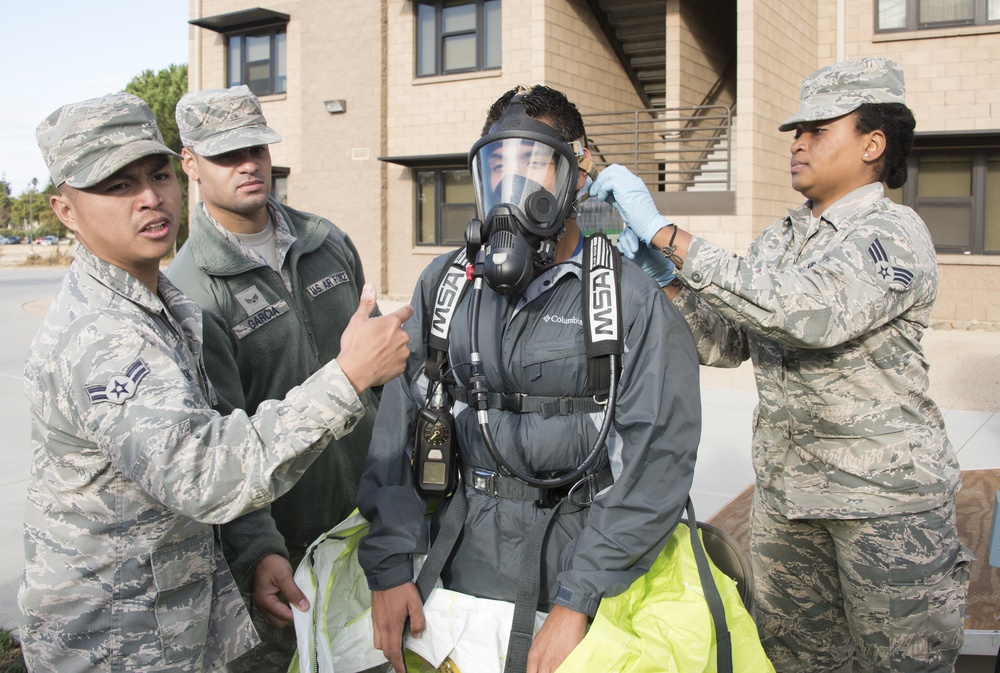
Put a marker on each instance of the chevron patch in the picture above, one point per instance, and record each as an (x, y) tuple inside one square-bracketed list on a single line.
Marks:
[(119, 387), (894, 275)]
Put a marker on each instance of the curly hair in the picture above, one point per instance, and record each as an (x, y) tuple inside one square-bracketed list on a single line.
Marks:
[(545, 104), (896, 121)]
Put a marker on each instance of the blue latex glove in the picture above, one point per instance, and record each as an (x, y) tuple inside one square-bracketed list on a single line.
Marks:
[(652, 261), (628, 194)]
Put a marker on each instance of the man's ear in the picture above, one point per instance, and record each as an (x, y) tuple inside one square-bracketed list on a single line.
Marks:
[(189, 162), (62, 206)]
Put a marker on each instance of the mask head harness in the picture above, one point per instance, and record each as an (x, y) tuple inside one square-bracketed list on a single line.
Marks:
[(525, 179)]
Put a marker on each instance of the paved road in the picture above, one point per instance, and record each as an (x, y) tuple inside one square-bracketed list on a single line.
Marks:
[(24, 296)]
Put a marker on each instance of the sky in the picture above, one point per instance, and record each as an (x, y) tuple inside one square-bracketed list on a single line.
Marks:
[(61, 52)]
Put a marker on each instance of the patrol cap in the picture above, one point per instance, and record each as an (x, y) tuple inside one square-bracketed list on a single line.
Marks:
[(86, 142), (843, 87), (216, 121)]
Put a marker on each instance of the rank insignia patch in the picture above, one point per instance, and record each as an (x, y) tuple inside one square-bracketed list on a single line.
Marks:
[(119, 387), (894, 275)]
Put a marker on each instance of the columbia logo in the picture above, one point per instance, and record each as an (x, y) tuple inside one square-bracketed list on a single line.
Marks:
[(572, 320)]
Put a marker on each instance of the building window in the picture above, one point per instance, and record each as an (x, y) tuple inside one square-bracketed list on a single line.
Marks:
[(901, 15), (445, 204), (457, 36), (258, 59), (957, 194), (279, 184)]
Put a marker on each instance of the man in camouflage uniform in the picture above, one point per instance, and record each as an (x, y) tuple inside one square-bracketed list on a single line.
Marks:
[(278, 287), (132, 466), (854, 541)]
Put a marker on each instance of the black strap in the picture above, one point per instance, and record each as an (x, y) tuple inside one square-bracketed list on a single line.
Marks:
[(519, 403), (723, 639), (522, 627), (451, 524), (502, 486), (602, 327), (451, 286)]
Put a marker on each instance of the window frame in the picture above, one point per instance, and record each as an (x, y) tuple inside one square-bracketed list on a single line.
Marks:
[(439, 206), (272, 31), (480, 32), (980, 153), (980, 17), (279, 173)]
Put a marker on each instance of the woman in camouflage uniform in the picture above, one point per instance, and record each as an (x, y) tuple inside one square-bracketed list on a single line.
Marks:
[(854, 543)]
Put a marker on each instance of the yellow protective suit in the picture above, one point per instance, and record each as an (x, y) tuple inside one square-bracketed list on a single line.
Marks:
[(660, 624)]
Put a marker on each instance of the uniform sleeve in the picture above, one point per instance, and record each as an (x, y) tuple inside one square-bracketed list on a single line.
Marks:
[(386, 494), (720, 342), (875, 274), (658, 418), (251, 537), (133, 398)]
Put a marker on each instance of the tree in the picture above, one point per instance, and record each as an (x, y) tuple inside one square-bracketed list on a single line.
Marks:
[(31, 211), (161, 91), (6, 201)]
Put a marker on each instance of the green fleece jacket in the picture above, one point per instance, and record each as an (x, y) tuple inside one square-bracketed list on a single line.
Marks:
[(261, 340)]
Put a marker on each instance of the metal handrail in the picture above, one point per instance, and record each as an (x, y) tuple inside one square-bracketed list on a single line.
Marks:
[(671, 149)]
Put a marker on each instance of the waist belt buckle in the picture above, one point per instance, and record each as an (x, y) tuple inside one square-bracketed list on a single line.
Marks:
[(485, 481), (583, 492)]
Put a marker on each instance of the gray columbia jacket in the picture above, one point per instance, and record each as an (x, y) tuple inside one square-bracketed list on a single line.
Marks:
[(535, 346), (262, 338)]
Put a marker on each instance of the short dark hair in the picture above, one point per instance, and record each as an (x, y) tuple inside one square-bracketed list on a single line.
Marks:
[(896, 121), (546, 104)]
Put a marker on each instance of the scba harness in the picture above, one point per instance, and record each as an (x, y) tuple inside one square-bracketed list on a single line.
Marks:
[(436, 469), (436, 464)]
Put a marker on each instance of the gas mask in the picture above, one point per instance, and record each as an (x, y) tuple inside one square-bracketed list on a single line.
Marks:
[(525, 180)]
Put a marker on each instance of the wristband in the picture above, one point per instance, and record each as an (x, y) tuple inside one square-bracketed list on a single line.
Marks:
[(669, 251)]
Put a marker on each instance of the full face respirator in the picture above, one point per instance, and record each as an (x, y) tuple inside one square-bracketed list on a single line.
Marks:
[(525, 180)]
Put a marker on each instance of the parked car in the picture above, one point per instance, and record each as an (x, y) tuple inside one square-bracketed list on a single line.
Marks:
[(48, 240), (14, 239)]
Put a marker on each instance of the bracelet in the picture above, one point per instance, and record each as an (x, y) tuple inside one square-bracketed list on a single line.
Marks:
[(669, 251)]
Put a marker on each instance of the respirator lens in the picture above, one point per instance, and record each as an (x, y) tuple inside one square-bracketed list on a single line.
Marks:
[(529, 176)]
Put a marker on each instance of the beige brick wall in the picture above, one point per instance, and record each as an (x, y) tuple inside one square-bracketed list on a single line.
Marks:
[(967, 293), (364, 52), (556, 42), (333, 158)]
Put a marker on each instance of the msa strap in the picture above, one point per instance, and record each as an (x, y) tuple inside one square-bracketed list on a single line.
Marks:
[(602, 328), (601, 310), (451, 287)]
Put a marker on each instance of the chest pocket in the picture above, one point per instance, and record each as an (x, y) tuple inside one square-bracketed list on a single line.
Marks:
[(255, 307)]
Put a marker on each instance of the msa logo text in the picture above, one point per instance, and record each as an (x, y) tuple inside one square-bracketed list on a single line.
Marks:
[(603, 302)]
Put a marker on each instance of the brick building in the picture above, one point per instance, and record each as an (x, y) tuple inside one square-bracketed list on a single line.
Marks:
[(378, 102)]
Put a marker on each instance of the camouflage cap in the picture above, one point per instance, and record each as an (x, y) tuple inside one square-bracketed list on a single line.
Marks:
[(86, 142), (216, 121), (843, 87)]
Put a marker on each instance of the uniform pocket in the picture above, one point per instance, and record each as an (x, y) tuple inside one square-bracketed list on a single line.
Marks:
[(867, 443), (182, 574), (927, 610)]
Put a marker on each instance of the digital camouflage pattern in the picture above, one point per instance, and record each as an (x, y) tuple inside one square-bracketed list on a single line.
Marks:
[(899, 582), (846, 441), (131, 469), (216, 121), (831, 312), (84, 143), (843, 87)]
